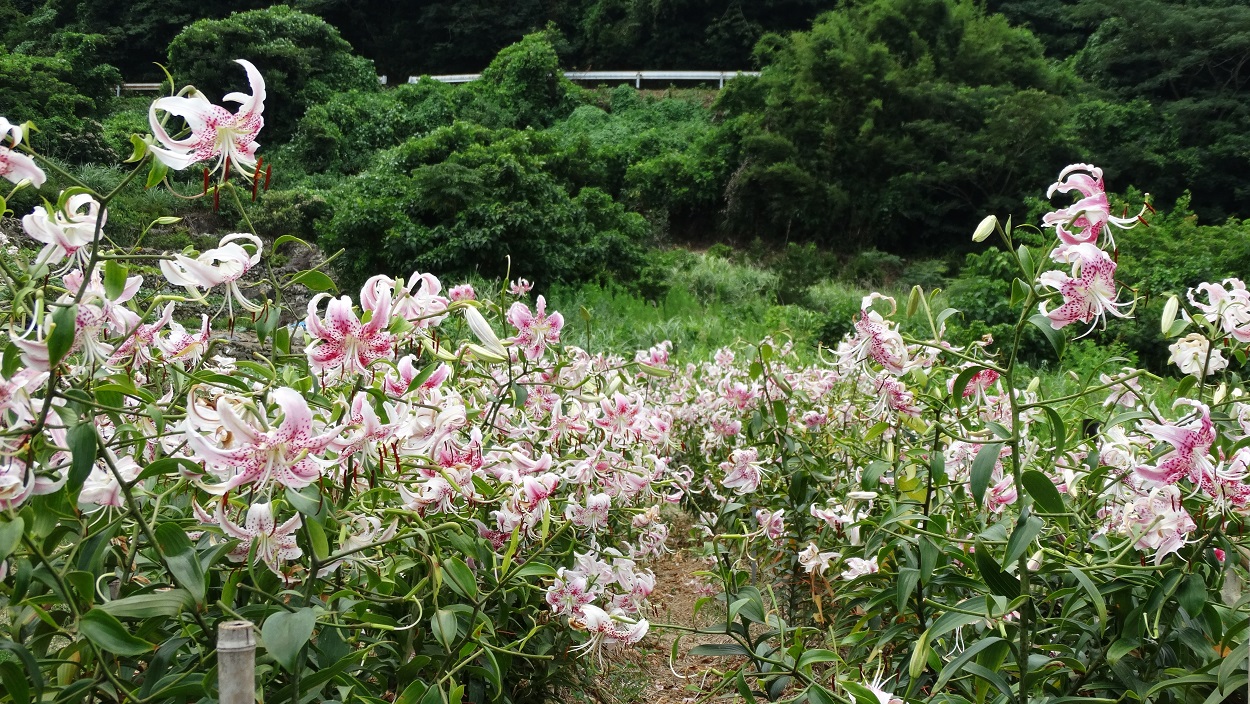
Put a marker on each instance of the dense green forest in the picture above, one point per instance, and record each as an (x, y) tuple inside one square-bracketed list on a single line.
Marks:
[(877, 135)]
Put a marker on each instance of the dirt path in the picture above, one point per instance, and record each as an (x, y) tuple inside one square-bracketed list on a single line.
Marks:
[(644, 675)]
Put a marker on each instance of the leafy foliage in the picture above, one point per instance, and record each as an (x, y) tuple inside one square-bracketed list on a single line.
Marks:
[(882, 123), (303, 59), (466, 198)]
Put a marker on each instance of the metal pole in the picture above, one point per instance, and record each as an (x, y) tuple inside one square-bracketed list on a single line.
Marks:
[(236, 663)]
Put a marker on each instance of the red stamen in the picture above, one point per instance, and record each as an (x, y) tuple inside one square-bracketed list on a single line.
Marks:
[(1150, 207), (268, 173), (1142, 221), (205, 182), (226, 172), (256, 177), (216, 198)]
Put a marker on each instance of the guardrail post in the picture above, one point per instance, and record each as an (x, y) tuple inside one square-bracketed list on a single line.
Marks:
[(236, 663)]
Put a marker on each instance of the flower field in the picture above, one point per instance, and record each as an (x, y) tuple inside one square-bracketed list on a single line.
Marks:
[(423, 492)]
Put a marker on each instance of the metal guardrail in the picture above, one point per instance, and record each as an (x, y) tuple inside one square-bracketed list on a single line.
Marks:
[(156, 87), (617, 76), (587, 76)]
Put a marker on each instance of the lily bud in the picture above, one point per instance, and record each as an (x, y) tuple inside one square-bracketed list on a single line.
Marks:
[(1220, 394), (1035, 562), (1169, 313), (482, 330), (985, 229)]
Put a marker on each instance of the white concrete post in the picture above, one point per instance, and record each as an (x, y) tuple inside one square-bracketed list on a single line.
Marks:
[(236, 663)]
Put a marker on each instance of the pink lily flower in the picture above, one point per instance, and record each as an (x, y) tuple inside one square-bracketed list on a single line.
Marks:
[(1228, 303), (743, 471), (252, 451), (15, 166), (813, 560), (416, 300), (1089, 293), (1190, 444), (225, 264), (607, 629), (341, 343), (216, 133), (569, 592), (181, 345), (65, 232), (593, 516), (463, 292), (876, 339), (137, 348), (772, 523), (1086, 220), (1159, 520), (275, 544), (535, 330)]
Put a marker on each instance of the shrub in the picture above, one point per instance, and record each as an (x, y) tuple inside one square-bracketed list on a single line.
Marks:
[(466, 199), (303, 59)]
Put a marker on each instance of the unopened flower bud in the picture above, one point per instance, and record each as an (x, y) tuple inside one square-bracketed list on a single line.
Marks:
[(1169, 313), (1035, 562), (985, 229)]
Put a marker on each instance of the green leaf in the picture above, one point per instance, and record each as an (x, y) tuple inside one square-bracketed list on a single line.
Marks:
[(413, 693), (1026, 531), (445, 628), (288, 238), (156, 174), (317, 538), (1019, 293), (1193, 594), (180, 556), (1095, 597), (817, 694), (10, 536), (1056, 337), (811, 657), (1026, 261), (1058, 433), (14, 681), (10, 361), (267, 322), (81, 440), (139, 149), (28, 661), (61, 338), (167, 603), (114, 278), (169, 465), (460, 578), (535, 569), (1120, 648), (955, 666), (1045, 495), (314, 280), (992, 677), (995, 578), (285, 633), (744, 689), (905, 587), (983, 470), (108, 634)]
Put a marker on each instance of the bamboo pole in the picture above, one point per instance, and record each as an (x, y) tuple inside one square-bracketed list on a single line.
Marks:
[(236, 662)]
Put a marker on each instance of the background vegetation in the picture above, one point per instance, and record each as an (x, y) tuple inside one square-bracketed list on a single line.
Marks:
[(878, 134)]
